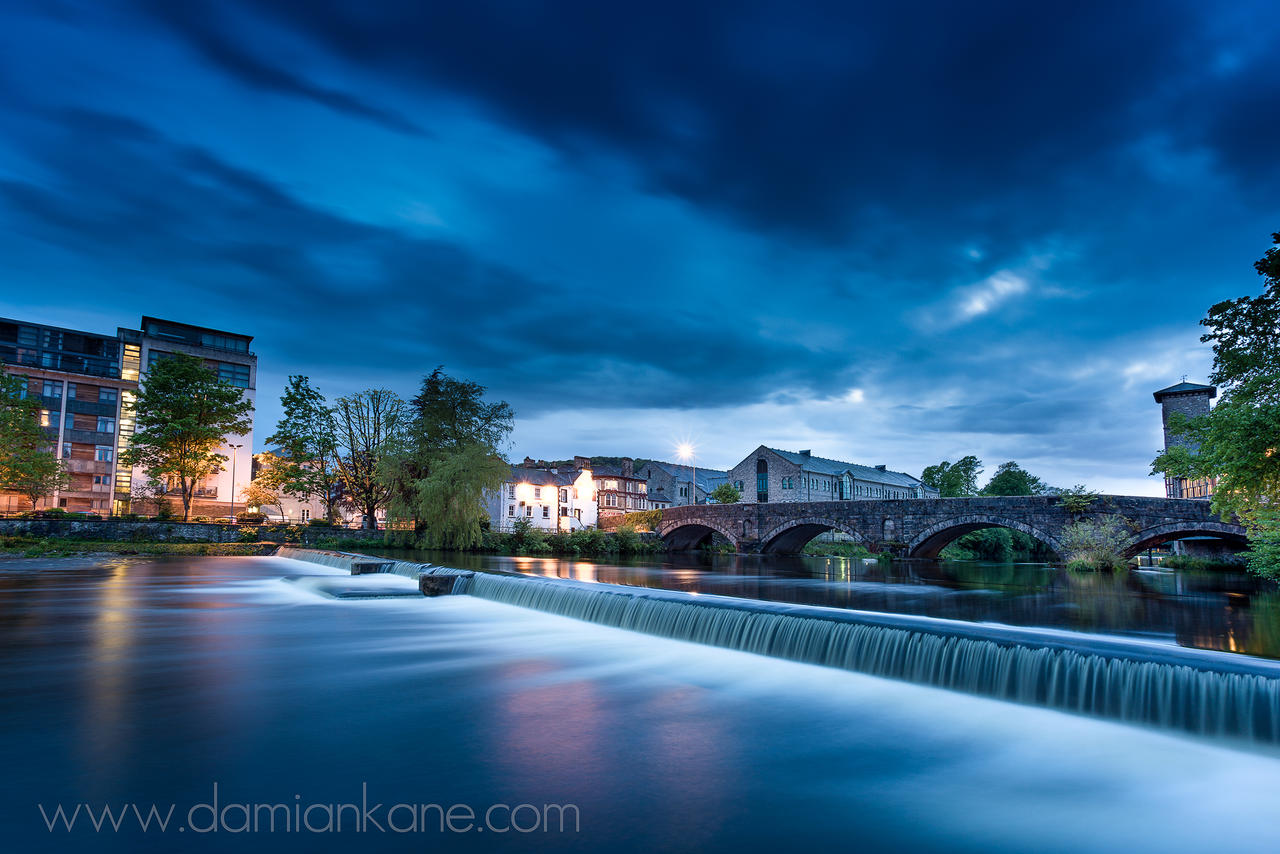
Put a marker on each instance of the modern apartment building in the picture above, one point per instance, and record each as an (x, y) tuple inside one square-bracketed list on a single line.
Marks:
[(87, 384)]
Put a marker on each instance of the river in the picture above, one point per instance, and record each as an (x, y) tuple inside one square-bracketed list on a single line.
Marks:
[(150, 680)]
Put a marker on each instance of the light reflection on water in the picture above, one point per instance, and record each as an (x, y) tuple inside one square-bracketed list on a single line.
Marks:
[(150, 679), (1225, 611)]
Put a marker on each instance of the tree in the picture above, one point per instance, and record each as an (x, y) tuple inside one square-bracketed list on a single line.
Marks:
[(150, 492), (184, 411), (726, 493), (448, 457), (954, 480), (28, 463), (264, 490), (367, 427), (308, 443), (1238, 442), (1012, 479)]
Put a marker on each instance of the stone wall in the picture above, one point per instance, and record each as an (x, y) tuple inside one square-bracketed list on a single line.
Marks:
[(113, 531), (920, 527)]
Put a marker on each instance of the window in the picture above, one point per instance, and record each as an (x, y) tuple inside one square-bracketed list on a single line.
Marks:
[(52, 389), (101, 479), (236, 375), (762, 480), (69, 421), (511, 490), (611, 500), (106, 395), (788, 483), (684, 492), (106, 425), (46, 418), (66, 450), (564, 512), (223, 342), (103, 453), (537, 492), (610, 484), (71, 391), (575, 492), (564, 495), (643, 487), (546, 512), (528, 510), (511, 510), (306, 515)]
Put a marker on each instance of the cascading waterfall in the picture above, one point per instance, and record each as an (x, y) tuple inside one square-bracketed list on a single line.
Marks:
[(1200, 692)]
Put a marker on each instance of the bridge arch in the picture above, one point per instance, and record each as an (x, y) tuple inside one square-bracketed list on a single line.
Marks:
[(684, 536), (933, 539), (1158, 534), (791, 536)]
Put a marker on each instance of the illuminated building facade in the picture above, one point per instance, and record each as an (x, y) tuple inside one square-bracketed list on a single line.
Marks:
[(87, 384), (550, 499)]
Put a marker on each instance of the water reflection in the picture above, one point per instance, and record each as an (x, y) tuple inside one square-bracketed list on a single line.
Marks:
[(1232, 612)]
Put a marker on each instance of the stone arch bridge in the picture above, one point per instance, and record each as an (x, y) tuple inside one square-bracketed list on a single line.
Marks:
[(922, 527)]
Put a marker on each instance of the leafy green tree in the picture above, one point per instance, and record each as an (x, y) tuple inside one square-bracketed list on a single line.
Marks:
[(264, 490), (307, 439), (1238, 442), (726, 493), (368, 426), (28, 464), (183, 413), (954, 480), (448, 457), (1012, 479), (1095, 543)]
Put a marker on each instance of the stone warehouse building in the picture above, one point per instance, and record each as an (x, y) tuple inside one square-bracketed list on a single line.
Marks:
[(1190, 400), (668, 483), (87, 383), (773, 475)]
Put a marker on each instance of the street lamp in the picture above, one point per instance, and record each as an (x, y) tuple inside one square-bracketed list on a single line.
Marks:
[(233, 448), (685, 453)]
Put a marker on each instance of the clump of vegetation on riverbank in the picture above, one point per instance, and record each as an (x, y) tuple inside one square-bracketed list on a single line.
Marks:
[(49, 547), (999, 545), (1201, 564), (590, 542), (1095, 544)]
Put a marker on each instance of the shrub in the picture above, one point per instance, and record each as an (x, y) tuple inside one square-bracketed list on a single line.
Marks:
[(92, 517), (1203, 563), (319, 523), (1077, 499), (201, 518), (1096, 543), (625, 540), (250, 518)]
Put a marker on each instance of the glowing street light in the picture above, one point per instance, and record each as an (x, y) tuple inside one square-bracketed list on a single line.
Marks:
[(684, 451)]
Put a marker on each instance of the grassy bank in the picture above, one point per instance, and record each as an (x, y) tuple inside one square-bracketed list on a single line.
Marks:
[(47, 547), (853, 551)]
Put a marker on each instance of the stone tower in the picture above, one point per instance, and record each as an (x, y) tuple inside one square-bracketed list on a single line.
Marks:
[(1192, 401)]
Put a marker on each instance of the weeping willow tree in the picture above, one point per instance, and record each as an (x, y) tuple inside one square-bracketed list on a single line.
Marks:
[(445, 461)]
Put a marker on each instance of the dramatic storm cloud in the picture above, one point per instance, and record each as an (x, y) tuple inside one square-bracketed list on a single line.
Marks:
[(891, 235)]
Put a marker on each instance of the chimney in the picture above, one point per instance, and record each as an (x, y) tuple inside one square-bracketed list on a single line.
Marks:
[(880, 468), (528, 462), (581, 463), (806, 453), (628, 467)]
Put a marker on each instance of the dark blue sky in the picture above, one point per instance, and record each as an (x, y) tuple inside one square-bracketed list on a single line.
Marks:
[(893, 234)]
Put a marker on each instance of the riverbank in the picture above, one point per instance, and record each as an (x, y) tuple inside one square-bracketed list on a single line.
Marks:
[(26, 546)]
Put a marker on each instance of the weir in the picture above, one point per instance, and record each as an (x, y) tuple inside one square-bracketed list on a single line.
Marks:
[(1197, 691)]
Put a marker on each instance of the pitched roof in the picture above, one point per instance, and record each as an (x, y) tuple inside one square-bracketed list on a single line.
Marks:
[(1184, 387), (706, 479), (822, 465), (543, 477)]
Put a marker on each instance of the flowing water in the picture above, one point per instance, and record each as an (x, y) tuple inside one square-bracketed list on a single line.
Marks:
[(150, 680), (1226, 611)]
